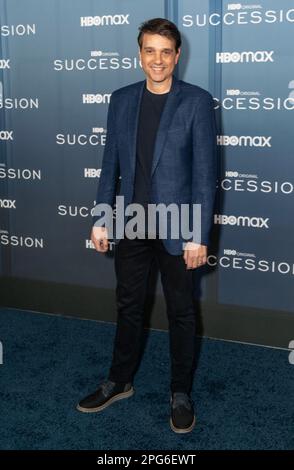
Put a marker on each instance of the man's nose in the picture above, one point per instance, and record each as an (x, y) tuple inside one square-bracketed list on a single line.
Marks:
[(158, 58)]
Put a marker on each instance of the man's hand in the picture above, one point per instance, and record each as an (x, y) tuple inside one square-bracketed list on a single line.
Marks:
[(195, 255), (99, 237)]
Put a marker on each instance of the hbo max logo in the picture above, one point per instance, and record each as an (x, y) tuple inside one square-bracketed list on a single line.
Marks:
[(249, 56), (244, 140), (242, 221), (106, 20)]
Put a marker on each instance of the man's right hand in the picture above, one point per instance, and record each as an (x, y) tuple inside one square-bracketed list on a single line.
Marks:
[(99, 237)]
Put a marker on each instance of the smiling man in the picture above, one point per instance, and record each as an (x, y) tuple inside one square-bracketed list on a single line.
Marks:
[(158, 58), (161, 140)]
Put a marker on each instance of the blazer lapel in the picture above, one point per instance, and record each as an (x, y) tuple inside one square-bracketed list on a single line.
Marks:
[(168, 112), (133, 119)]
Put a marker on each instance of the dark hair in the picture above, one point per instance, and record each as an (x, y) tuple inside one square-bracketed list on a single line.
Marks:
[(163, 27)]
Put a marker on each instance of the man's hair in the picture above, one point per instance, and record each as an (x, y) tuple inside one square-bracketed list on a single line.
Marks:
[(163, 27)]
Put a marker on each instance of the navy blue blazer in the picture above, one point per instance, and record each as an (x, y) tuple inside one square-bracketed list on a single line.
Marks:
[(184, 160)]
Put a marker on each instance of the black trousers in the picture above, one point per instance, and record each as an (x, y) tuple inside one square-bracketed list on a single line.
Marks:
[(133, 259)]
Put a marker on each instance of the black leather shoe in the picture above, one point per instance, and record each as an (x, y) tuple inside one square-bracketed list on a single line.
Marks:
[(182, 417), (107, 393)]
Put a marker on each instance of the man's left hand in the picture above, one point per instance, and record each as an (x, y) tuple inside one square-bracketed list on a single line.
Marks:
[(195, 255)]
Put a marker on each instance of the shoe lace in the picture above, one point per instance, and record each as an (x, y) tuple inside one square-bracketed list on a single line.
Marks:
[(181, 399)]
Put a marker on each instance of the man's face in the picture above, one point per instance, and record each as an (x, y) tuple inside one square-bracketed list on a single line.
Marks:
[(158, 57)]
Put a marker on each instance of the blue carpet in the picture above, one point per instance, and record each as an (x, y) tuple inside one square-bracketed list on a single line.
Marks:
[(243, 394)]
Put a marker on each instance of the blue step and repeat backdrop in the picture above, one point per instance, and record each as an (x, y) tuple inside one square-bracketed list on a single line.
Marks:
[(59, 63)]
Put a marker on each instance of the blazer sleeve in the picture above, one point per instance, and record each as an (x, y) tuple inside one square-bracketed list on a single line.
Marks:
[(204, 165), (110, 167)]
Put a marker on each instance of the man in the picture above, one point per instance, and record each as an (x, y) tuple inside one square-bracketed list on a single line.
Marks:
[(161, 140)]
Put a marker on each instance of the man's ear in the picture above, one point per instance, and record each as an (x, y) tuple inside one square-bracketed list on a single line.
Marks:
[(178, 55)]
